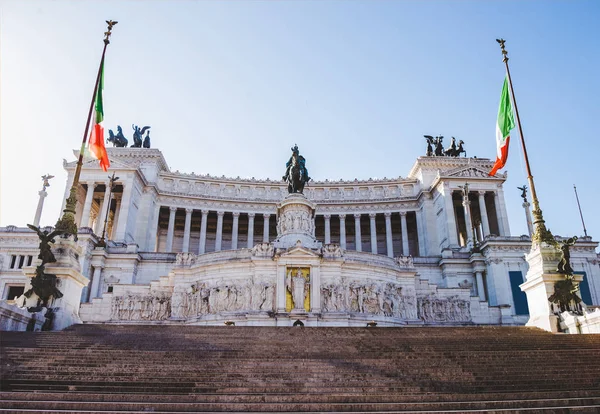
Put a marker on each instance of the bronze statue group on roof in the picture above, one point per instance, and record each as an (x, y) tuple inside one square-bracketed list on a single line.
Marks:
[(435, 148)]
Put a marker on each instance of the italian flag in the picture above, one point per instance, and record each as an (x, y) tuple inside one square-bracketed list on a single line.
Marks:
[(96, 143), (505, 123)]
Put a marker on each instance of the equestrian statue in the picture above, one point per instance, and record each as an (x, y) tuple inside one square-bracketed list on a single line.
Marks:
[(117, 140), (296, 174), (452, 151)]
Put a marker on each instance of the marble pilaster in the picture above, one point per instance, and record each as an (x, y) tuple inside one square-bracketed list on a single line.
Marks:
[(357, 235), (372, 217), (171, 229), (186, 230)]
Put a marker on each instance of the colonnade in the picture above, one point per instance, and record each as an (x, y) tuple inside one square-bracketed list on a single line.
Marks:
[(202, 248), (122, 201), (475, 224)]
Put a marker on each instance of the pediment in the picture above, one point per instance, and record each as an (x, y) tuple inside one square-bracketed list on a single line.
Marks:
[(92, 163), (469, 172), (298, 251)]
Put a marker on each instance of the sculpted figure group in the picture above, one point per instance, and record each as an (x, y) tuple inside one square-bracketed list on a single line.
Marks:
[(200, 299), (120, 141), (377, 298), (452, 151), (152, 307), (452, 309)]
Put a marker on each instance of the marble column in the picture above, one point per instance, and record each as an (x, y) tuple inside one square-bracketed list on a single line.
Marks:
[(171, 230), (152, 234), (372, 217), (87, 206), (103, 208), (528, 217), (124, 211), (388, 234), (405, 250), (420, 232), (480, 287), (266, 228), (327, 218), (468, 223), (499, 214), (343, 231), (485, 224), (219, 238), (40, 206), (234, 230), (250, 230), (357, 235), (450, 216), (503, 213), (186, 230), (95, 283), (202, 245)]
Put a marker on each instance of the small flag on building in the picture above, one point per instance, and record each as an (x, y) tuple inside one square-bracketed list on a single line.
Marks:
[(506, 122), (96, 143)]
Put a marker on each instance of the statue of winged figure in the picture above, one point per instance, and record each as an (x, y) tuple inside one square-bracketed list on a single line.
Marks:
[(46, 255), (523, 193), (429, 139), (137, 135), (46, 179)]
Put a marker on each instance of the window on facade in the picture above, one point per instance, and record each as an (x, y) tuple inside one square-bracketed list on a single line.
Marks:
[(519, 297), (29, 260), (13, 261), (110, 289), (21, 261), (14, 291)]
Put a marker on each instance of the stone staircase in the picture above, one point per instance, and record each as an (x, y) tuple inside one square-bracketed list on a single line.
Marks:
[(149, 368)]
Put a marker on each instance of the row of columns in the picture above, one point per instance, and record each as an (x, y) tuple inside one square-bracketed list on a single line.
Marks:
[(485, 224), (121, 209), (219, 235), (357, 232)]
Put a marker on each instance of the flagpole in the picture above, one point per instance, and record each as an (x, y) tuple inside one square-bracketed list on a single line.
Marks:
[(541, 233), (67, 221), (580, 213)]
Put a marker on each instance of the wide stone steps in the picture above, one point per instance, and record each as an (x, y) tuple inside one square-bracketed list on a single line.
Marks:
[(103, 368)]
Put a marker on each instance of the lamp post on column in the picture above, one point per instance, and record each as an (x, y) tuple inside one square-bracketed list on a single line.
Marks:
[(111, 184)]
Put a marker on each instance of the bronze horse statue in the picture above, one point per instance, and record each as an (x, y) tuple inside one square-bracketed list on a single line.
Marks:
[(118, 140), (296, 174)]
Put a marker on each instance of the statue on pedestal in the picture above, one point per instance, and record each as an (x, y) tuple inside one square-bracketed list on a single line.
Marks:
[(298, 286), (296, 174)]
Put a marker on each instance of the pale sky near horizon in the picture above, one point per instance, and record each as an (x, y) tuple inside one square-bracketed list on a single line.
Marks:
[(228, 87)]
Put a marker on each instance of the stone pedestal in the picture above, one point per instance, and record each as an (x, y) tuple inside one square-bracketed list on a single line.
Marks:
[(539, 286), (70, 283), (296, 222)]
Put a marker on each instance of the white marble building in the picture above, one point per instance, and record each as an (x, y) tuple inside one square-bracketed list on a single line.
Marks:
[(186, 248)]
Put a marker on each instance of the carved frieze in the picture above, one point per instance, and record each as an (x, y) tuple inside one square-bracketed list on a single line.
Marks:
[(434, 309), (376, 298)]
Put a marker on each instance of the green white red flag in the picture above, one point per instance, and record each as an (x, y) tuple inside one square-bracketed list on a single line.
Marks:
[(504, 124), (96, 142)]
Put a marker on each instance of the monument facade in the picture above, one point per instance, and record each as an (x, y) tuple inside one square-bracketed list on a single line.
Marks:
[(433, 247)]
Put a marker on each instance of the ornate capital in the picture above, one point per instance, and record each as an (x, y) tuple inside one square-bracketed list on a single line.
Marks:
[(403, 213), (387, 215), (251, 215), (481, 193), (357, 215), (173, 208), (327, 216), (189, 210), (236, 214), (204, 212), (220, 213), (92, 184), (372, 215), (266, 216)]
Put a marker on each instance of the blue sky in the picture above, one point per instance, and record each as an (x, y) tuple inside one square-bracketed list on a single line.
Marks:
[(228, 87)]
